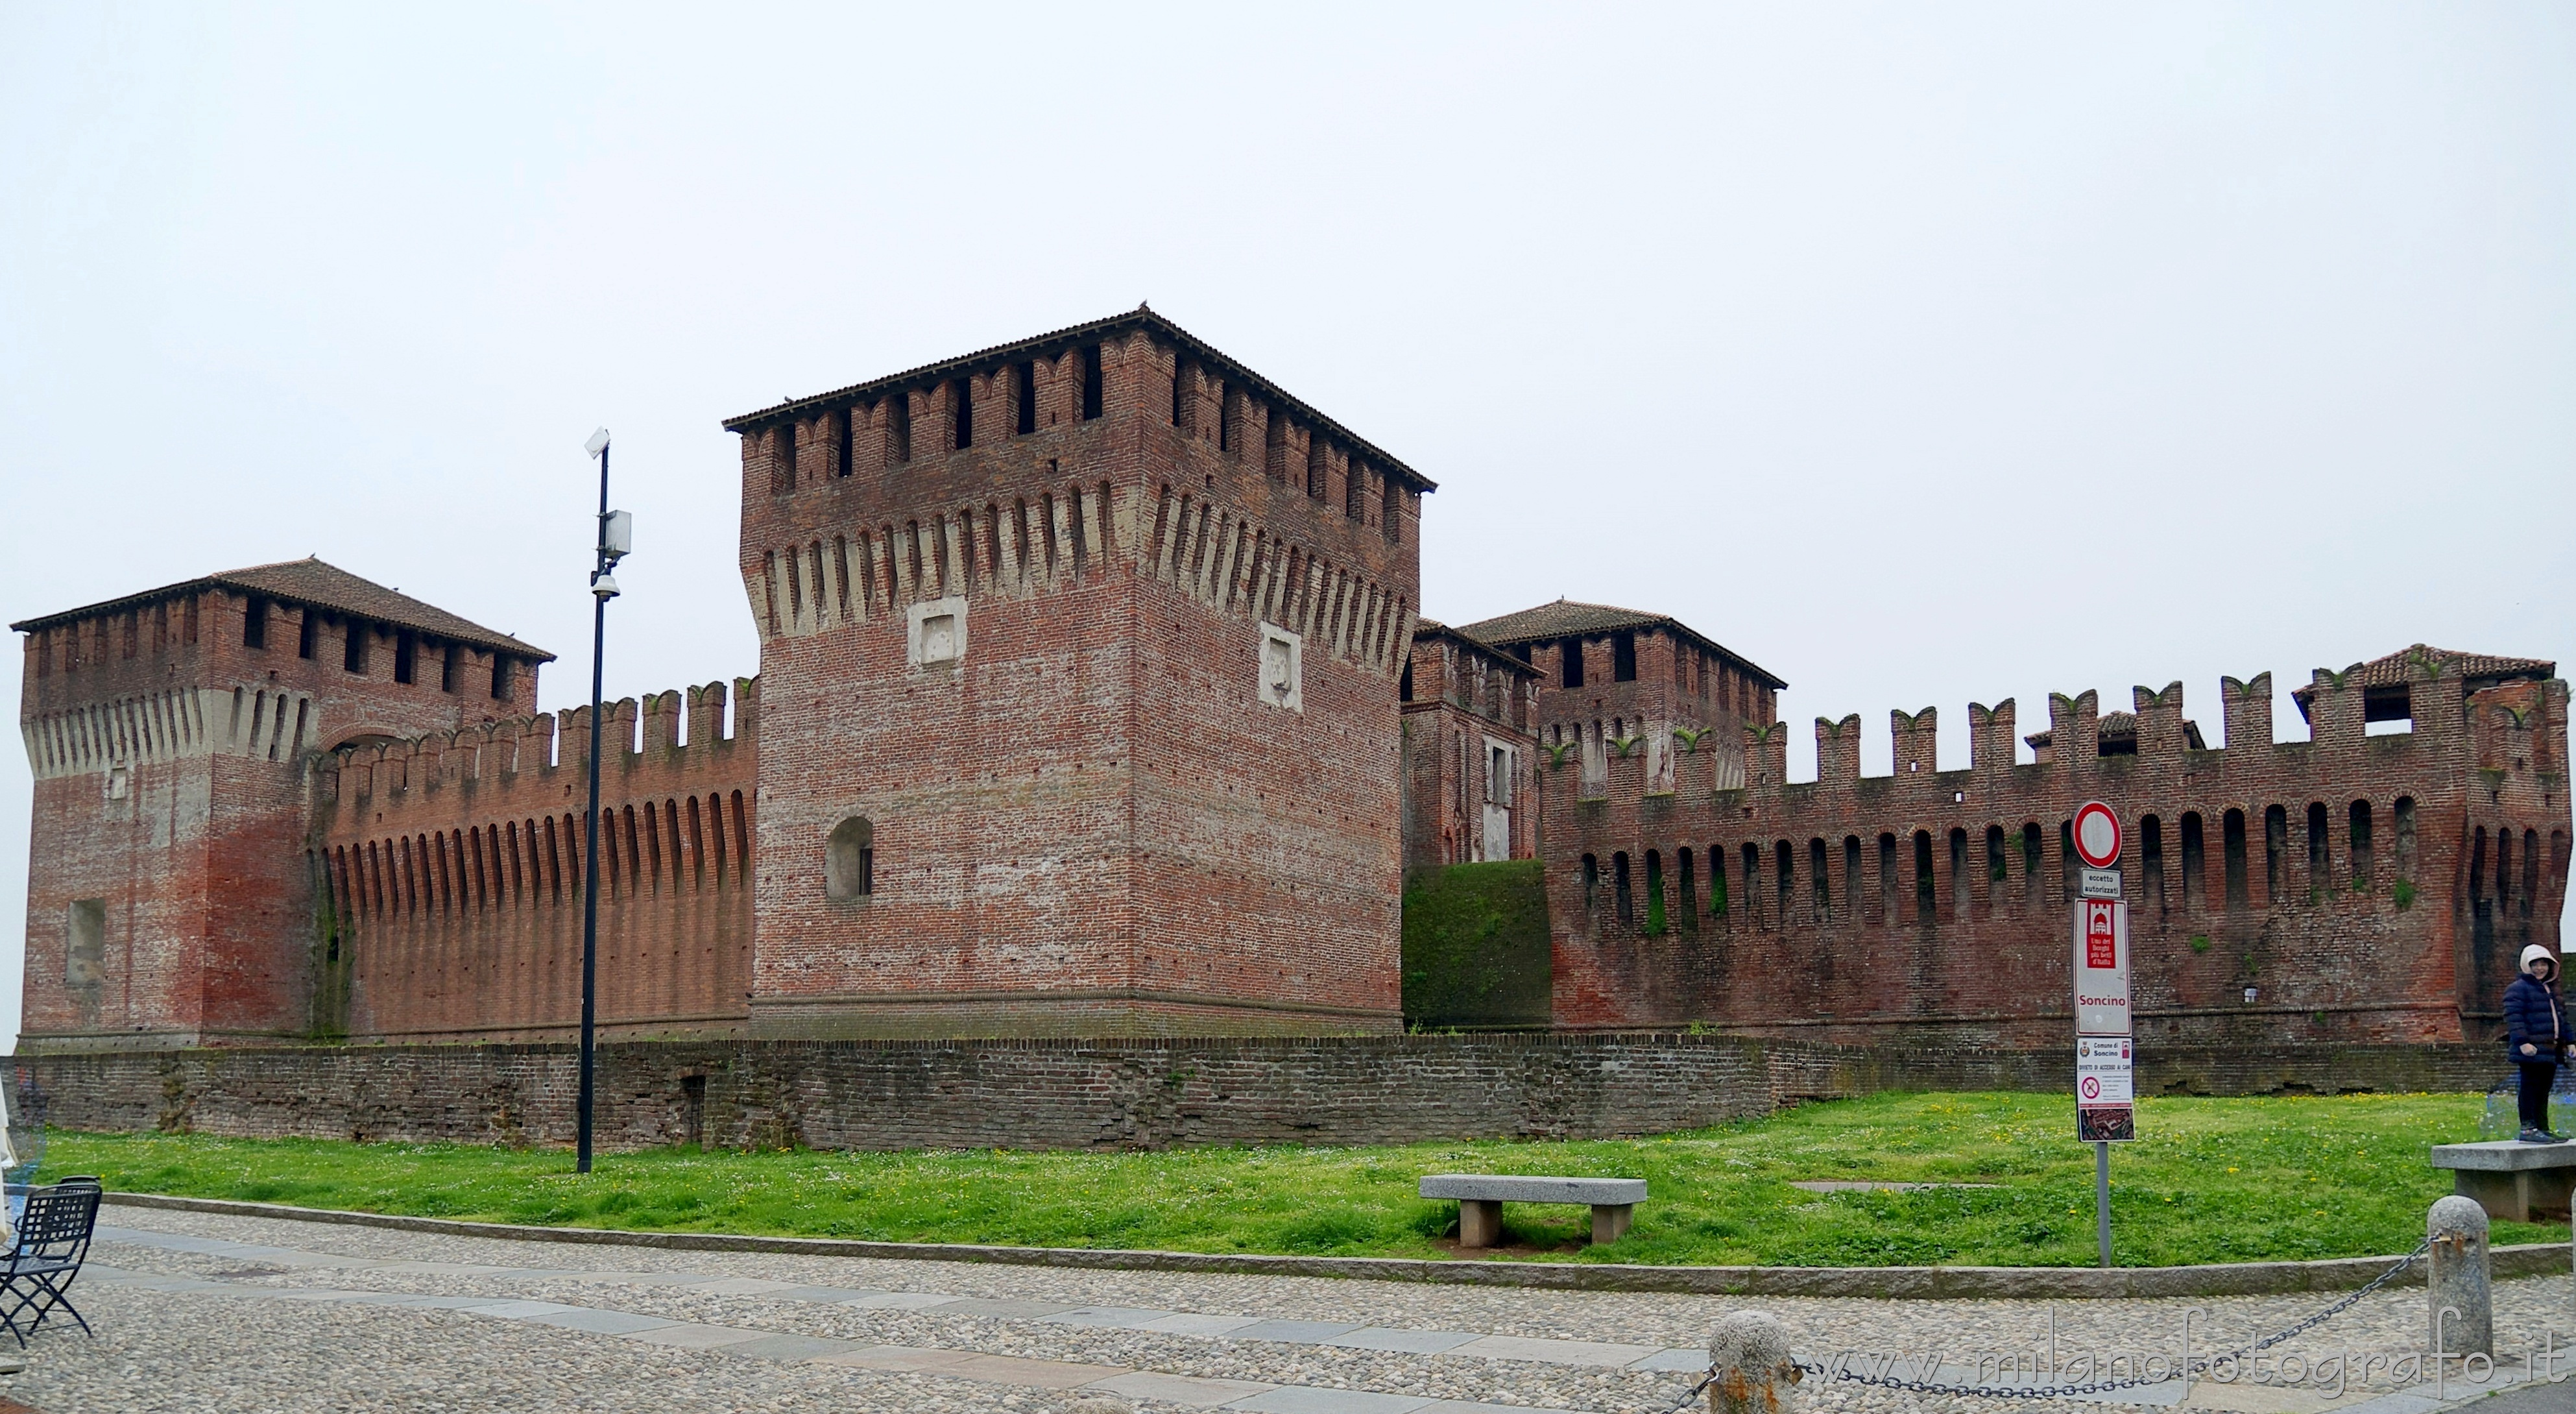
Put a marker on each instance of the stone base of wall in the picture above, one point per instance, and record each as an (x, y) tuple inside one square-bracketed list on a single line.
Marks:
[(1126, 1094)]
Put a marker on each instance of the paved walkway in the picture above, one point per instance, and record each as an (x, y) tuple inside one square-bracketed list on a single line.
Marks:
[(199, 1311)]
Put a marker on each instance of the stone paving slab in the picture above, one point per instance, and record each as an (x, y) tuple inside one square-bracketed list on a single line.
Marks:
[(1189, 1391), (1300, 1331), (1409, 1342), (1329, 1401), (788, 1347), (605, 1322), (693, 1336)]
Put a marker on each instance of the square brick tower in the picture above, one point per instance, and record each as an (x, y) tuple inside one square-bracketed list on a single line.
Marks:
[(1078, 662), (170, 877)]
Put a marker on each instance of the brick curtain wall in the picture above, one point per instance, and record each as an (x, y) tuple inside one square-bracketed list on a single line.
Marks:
[(1123, 1095)]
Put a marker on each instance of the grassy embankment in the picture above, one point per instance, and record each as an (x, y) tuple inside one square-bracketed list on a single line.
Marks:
[(2213, 1181)]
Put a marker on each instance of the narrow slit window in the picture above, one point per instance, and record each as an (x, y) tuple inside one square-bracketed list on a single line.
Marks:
[(500, 678), (1625, 905), (1823, 887), (1570, 662), (962, 410), (254, 623), (2361, 851), (2320, 854), (1654, 891), (406, 654), (1623, 657), (353, 649), (2276, 848), (899, 426), (1090, 356), (2195, 893), (1024, 382), (1716, 881), (2031, 867), (449, 660), (307, 634), (846, 422), (2232, 840), (1689, 909), (2151, 862)]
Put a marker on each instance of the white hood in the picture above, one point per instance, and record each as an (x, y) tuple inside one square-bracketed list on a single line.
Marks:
[(2538, 951)]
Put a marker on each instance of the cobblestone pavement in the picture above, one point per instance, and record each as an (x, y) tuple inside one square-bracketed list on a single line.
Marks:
[(207, 1312)]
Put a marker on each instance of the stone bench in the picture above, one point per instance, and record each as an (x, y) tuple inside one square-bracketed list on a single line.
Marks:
[(1481, 1198), (2513, 1181)]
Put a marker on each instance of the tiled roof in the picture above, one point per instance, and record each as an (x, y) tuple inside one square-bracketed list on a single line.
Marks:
[(1433, 628), (2390, 670), (311, 582), (1051, 343), (2120, 726), (1567, 618)]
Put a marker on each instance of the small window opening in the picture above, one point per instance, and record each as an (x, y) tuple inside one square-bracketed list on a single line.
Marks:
[(1887, 885), (448, 663), (1625, 905), (1998, 868), (254, 623), (353, 648), (1960, 889), (1927, 908), (1623, 657), (1591, 883), (1090, 356), (1785, 869), (782, 475), (846, 421), (2031, 867), (1816, 870), (1716, 881), (500, 678), (1852, 894), (1226, 435), (1180, 393), (1689, 900), (850, 860), (2320, 854), (2361, 875), (1654, 891), (899, 425), (1569, 656), (1024, 381), (406, 652), (307, 633), (961, 408)]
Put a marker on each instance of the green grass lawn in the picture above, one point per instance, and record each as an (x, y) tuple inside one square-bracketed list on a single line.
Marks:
[(2213, 1181)]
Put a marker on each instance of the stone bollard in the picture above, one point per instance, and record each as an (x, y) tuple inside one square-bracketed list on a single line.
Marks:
[(1750, 1364), (2459, 1297)]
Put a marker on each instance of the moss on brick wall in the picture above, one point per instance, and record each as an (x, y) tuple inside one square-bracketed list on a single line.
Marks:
[(1476, 945)]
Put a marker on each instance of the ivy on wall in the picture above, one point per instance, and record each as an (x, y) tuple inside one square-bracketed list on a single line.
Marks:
[(1476, 948)]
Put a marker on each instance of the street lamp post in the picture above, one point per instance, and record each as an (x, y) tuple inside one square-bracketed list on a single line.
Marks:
[(616, 538)]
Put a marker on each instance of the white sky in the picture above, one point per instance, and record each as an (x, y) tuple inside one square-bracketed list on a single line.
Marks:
[(1865, 339)]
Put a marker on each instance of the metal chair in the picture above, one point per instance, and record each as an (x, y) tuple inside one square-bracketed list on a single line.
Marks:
[(53, 1241)]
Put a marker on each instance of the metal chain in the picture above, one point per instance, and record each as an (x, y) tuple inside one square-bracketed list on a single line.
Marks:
[(2197, 1363)]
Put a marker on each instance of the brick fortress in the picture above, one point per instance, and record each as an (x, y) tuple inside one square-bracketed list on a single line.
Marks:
[(1094, 701)]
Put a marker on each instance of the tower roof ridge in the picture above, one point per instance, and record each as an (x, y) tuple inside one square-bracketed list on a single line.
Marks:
[(315, 583), (1572, 617), (1141, 317)]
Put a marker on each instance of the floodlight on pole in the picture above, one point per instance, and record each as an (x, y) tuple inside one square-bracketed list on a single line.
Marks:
[(616, 540)]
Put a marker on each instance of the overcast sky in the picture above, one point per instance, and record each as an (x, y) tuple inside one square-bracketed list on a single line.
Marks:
[(1921, 354)]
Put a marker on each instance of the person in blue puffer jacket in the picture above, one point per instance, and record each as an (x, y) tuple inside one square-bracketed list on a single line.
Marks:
[(2536, 1036)]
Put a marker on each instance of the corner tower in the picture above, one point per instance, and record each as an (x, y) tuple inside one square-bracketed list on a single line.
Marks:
[(1078, 662), (171, 895)]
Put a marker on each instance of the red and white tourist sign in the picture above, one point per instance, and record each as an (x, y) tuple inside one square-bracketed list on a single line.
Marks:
[(2101, 967)]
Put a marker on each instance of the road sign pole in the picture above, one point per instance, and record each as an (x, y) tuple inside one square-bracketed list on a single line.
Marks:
[(2102, 1200)]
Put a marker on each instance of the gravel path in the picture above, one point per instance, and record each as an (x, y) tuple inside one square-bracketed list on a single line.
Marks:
[(246, 1343)]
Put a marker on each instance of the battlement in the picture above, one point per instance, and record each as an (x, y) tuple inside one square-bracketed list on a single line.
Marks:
[(2405, 870)]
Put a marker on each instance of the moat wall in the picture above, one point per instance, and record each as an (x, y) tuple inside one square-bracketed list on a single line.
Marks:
[(1115, 1094)]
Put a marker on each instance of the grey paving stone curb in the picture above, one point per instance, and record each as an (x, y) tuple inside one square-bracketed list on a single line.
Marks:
[(1912, 1283)]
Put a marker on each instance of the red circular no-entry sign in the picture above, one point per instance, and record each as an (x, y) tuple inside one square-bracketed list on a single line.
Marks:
[(2097, 835)]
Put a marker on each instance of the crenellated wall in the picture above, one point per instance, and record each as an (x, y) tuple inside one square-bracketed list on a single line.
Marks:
[(2363, 888), (452, 867)]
